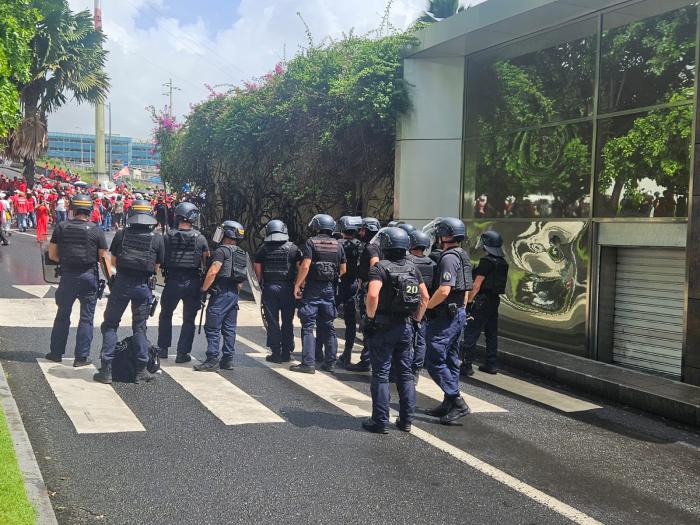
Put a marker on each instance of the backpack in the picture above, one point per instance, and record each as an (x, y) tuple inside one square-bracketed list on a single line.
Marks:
[(405, 289), (124, 363)]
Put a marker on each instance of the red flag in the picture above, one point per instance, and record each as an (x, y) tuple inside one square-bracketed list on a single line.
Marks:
[(124, 172)]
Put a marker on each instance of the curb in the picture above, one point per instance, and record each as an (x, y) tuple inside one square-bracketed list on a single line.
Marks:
[(33, 481)]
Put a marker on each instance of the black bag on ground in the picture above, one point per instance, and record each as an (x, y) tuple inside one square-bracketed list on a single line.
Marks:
[(124, 363)]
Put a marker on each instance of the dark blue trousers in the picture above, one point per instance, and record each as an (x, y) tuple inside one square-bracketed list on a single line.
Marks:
[(419, 346), (83, 287), (222, 319), (361, 296), (390, 349), (317, 312), (347, 296), (485, 317), (442, 351), (278, 304), (179, 286), (127, 289)]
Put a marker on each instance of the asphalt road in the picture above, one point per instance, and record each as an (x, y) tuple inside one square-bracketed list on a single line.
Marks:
[(528, 463)]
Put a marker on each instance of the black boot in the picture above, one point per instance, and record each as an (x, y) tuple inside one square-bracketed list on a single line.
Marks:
[(489, 369), (370, 425), (81, 361), (226, 363), (56, 358), (143, 375), (273, 358), (440, 410), (162, 353), (359, 367), (105, 374), (210, 365), (183, 358), (466, 370), (458, 409)]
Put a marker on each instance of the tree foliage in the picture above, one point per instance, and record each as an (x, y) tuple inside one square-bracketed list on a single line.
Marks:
[(316, 134), (438, 10)]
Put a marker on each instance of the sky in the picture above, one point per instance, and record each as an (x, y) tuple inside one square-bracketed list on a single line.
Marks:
[(216, 42)]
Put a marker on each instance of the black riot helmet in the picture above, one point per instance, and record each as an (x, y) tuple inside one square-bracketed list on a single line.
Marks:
[(392, 224), (81, 203), (371, 224), (276, 231), (419, 240), (233, 230), (492, 242), (186, 212), (322, 223), (392, 239), (350, 225), (408, 228), (141, 214), (450, 228)]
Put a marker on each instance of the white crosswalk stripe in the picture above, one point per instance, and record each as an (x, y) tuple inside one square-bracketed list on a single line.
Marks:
[(221, 397), (93, 408)]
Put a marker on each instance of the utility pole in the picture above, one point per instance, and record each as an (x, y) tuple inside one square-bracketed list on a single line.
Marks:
[(100, 168), (171, 87), (110, 167)]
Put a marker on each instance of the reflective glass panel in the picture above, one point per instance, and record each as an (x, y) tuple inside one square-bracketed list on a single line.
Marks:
[(647, 55), (544, 79), (543, 172), (643, 164), (545, 301)]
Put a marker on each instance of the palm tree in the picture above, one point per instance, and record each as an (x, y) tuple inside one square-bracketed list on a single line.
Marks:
[(68, 58), (439, 10)]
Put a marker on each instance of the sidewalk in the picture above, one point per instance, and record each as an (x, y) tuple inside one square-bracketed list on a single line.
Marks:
[(658, 395)]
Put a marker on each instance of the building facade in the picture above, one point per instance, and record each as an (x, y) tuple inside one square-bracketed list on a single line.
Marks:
[(570, 128), (78, 148)]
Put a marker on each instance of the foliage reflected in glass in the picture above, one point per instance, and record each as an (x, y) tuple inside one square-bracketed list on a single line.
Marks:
[(531, 173), (542, 80), (649, 61), (643, 165)]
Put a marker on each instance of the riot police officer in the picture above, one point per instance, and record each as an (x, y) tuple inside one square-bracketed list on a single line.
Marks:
[(138, 252), (276, 264), (446, 318), (186, 253), (490, 280), (368, 258), (77, 245), (396, 296), (347, 289), (226, 273), (323, 263), (419, 242)]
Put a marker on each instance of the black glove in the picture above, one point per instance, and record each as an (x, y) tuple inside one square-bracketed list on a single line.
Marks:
[(416, 324), (469, 308), (203, 297), (368, 326), (110, 281)]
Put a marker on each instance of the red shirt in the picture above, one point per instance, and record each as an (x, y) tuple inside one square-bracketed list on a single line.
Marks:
[(21, 205)]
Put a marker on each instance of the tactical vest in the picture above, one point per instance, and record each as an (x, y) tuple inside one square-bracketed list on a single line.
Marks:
[(235, 265), (363, 269), (353, 250), (400, 297), (73, 244), (435, 255), (325, 262), (426, 266), (181, 250), (137, 254), (495, 282), (277, 266), (463, 279)]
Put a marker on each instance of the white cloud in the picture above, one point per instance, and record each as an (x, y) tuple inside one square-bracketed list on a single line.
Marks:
[(142, 60)]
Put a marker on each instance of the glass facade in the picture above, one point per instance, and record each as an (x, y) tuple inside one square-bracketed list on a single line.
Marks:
[(80, 149), (589, 121)]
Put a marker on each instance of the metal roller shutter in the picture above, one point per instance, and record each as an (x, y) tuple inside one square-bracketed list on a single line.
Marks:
[(649, 296)]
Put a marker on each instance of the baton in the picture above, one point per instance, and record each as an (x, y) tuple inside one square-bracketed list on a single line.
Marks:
[(201, 317)]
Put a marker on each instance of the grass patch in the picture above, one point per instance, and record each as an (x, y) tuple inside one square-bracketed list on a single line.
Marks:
[(15, 508)]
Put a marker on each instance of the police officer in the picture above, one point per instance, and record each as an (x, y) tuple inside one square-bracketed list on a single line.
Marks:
[(137, 252), (276, 264), (368, 258), (347, 290), (446, 318), (186, 253), (226, 273), (396, 296), (419, 242), (323, 263), (490, 279), (77, 245)]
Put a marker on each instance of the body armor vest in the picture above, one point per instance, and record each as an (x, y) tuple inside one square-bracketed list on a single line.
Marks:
[(73, 244), (325, 262), (463, 279), (137, 254), (363, 269), (235, 265), (353, 250), (277, 266), (400, 297), (426, 266), (181, 250), (495, 282)]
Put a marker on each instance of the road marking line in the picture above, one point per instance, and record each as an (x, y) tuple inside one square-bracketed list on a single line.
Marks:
[(357, 404), (93, 408), (221, 397), (37, 290), (536, 393), (428, 388)]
